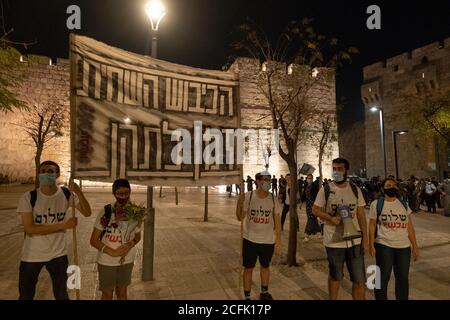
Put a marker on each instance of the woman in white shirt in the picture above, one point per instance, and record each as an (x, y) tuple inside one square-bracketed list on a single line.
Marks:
[(392, 238)]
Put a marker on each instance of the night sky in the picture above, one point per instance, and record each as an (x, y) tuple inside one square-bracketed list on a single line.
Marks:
[(199, 32)]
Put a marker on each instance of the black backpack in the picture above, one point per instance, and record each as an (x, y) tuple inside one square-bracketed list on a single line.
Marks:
[(33, 198), (273, 202), (33, 195), (328, 191), (108, 211), (380, 204)]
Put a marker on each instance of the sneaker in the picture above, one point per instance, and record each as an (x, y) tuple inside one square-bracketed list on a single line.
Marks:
[(265, 296), (305, 239)]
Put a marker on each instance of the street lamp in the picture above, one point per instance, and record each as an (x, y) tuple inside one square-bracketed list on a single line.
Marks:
[(383, 146), (394, 137), (155, 11)]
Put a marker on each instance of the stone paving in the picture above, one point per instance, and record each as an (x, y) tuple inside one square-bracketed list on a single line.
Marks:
[(196, 260)]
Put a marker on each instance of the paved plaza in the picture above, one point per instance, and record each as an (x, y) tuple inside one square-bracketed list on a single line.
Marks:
[(200, 260)]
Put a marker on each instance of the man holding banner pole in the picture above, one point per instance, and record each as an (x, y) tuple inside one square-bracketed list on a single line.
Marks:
[(45, 222)]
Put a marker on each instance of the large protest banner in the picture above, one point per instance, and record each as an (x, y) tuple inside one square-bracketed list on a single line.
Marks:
[(125, 107)]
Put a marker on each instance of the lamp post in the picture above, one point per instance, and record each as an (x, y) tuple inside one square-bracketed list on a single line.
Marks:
[(155, 11), (383, 146), (394, 138)]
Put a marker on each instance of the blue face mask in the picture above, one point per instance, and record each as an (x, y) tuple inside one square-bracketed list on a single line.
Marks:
[(338, 176), (266, 186), (46, 179)]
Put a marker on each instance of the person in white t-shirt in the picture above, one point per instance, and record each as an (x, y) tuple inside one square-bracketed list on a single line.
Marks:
[(260, 214), (430, 195), (45, 221), (342, 196), (115, 240), (392, 237)]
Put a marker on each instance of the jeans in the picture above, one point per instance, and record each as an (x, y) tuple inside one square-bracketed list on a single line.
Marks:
[(398, 259), (29, 273), (431, 202)]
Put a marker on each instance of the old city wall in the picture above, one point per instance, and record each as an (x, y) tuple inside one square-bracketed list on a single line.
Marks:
[(421, 71), (45, 81), (256, 114), (48, 80)]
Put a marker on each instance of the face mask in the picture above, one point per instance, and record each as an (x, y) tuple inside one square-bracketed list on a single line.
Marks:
[(338, 176), (46, 179), (390, 192), (266, 186), (122, 201)]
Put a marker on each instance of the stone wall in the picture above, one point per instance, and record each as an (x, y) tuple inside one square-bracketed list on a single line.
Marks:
[(256, 113), (47, 80), (421, 71), (352, 147)]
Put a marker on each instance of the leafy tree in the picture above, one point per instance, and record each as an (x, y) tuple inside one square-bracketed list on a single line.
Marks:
[(293, 99), (43, 122)]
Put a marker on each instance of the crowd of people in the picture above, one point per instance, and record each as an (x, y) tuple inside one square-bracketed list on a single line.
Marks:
[(388, 235)]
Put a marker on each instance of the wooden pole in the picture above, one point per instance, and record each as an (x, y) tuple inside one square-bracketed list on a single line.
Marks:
[(149, 239), (205, 217), (75, 246), (160, 192), (72, 91), (176, 195), (241, 243)]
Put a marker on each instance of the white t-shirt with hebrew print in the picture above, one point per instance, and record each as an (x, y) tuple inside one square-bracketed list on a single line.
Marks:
[(392, 224), (114, 237), (259, 224), (332, 234), (47, 210)]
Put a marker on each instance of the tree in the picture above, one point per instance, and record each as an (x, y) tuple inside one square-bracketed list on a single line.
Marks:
[(9, 64), (323, 140), (43, 122), (431, 116), (291, 98)]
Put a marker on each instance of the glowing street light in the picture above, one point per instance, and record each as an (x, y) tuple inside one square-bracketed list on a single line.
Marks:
[(394, 138), (155, 11), (383, 146)]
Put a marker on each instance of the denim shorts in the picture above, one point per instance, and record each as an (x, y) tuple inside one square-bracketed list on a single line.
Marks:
[(353, 258)]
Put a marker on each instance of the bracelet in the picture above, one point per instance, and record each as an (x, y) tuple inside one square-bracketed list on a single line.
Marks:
[(103, 248)]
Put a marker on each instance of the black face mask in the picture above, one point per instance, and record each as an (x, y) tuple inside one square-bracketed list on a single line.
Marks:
[(122, 201), (390, 192)]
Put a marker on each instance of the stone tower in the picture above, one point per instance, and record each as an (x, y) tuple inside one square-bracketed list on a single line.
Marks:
[(421, 71)]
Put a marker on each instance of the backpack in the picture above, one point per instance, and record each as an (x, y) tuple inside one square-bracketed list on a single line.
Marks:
[(380, 204), (33, 198), (108, 211), (328, 191)]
